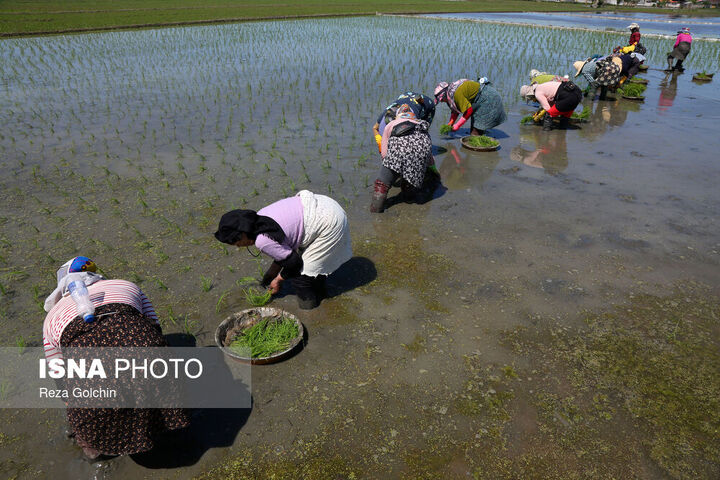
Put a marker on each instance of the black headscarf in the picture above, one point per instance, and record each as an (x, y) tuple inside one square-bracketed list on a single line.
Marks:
[(235, 222)]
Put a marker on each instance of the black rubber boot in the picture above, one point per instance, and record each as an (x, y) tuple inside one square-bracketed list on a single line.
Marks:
[(678, 66), (305, 290), (547, 122), (603, 93), (320, 288), (379, 196), (564, 123)]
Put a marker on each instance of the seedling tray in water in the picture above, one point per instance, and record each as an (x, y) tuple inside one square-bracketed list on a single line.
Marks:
[(644, 68), (239, 321), (635, 99), (477, 149), (703, 79), (642, 81)]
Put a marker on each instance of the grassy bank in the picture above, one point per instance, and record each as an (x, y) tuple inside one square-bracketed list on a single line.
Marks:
[(27, 17)]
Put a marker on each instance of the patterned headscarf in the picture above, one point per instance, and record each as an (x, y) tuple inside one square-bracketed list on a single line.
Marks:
[(441, 92), (405, 112)]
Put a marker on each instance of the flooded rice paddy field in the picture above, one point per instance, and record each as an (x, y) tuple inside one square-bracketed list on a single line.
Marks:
[(707, 28), (551, 313)]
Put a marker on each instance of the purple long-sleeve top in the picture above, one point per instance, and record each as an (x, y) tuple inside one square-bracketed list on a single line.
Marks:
[(682, 37), (288, 213)]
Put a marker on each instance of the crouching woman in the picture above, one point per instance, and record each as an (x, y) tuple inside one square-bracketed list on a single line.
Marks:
[(123, 317), (406, 151), (558, 99), (307, 236)]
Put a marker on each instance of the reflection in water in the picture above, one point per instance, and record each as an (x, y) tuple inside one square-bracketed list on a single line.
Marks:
[(462, 168), (668, 91), (605, 114), (550, 151)]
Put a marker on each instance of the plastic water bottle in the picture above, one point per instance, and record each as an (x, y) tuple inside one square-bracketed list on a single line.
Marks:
[(81, 296)]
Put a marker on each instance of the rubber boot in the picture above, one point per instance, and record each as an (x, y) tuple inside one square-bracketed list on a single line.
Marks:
[(678, 66), (564, 123), (379, 196), (320, 288), (305, 290), (603, 93), (547, 122)]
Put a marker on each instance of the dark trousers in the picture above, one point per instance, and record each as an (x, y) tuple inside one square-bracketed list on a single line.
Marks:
[(310, 290)]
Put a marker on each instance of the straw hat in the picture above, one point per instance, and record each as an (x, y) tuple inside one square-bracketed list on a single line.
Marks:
[(578, 66), (633, 25)]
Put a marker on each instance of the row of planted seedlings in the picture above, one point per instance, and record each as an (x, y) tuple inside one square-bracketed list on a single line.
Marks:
[(123, 147)]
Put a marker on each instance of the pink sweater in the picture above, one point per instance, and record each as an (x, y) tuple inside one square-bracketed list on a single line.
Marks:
[(545, 93), (682, 37)]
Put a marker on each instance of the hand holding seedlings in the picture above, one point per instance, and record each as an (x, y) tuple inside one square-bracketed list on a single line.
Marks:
[(276, 284)]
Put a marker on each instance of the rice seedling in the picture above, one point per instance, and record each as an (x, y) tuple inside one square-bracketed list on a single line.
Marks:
[(632, 89), (266, 337), (206, 283), (482, 141), (5, 389), (20, 343), (257, 297), (189, 327), (584, 115), (218, 305)]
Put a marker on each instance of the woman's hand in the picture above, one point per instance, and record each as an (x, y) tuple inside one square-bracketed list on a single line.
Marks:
[(276, 284)]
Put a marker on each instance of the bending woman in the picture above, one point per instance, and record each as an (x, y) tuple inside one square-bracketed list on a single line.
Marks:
[(307, 236), (406, 151), (681, 49), (558, 99), (124, 318), (478, 101), (422, 106)]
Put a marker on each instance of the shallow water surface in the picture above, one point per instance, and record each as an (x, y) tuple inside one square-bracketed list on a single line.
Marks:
[(707, 28), (449, 346)]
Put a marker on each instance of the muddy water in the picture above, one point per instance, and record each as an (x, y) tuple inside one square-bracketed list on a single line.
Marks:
[(127, 147)]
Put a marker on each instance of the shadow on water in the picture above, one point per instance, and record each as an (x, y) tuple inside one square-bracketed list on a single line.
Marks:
[(209, 427), (355, 273), (431, 189)]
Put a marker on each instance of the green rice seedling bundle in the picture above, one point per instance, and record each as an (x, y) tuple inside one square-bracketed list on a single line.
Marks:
[(482, 141), (445, 129), (527, 120), (257, 297), (268, 336), (584, 115), (633, 90)]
